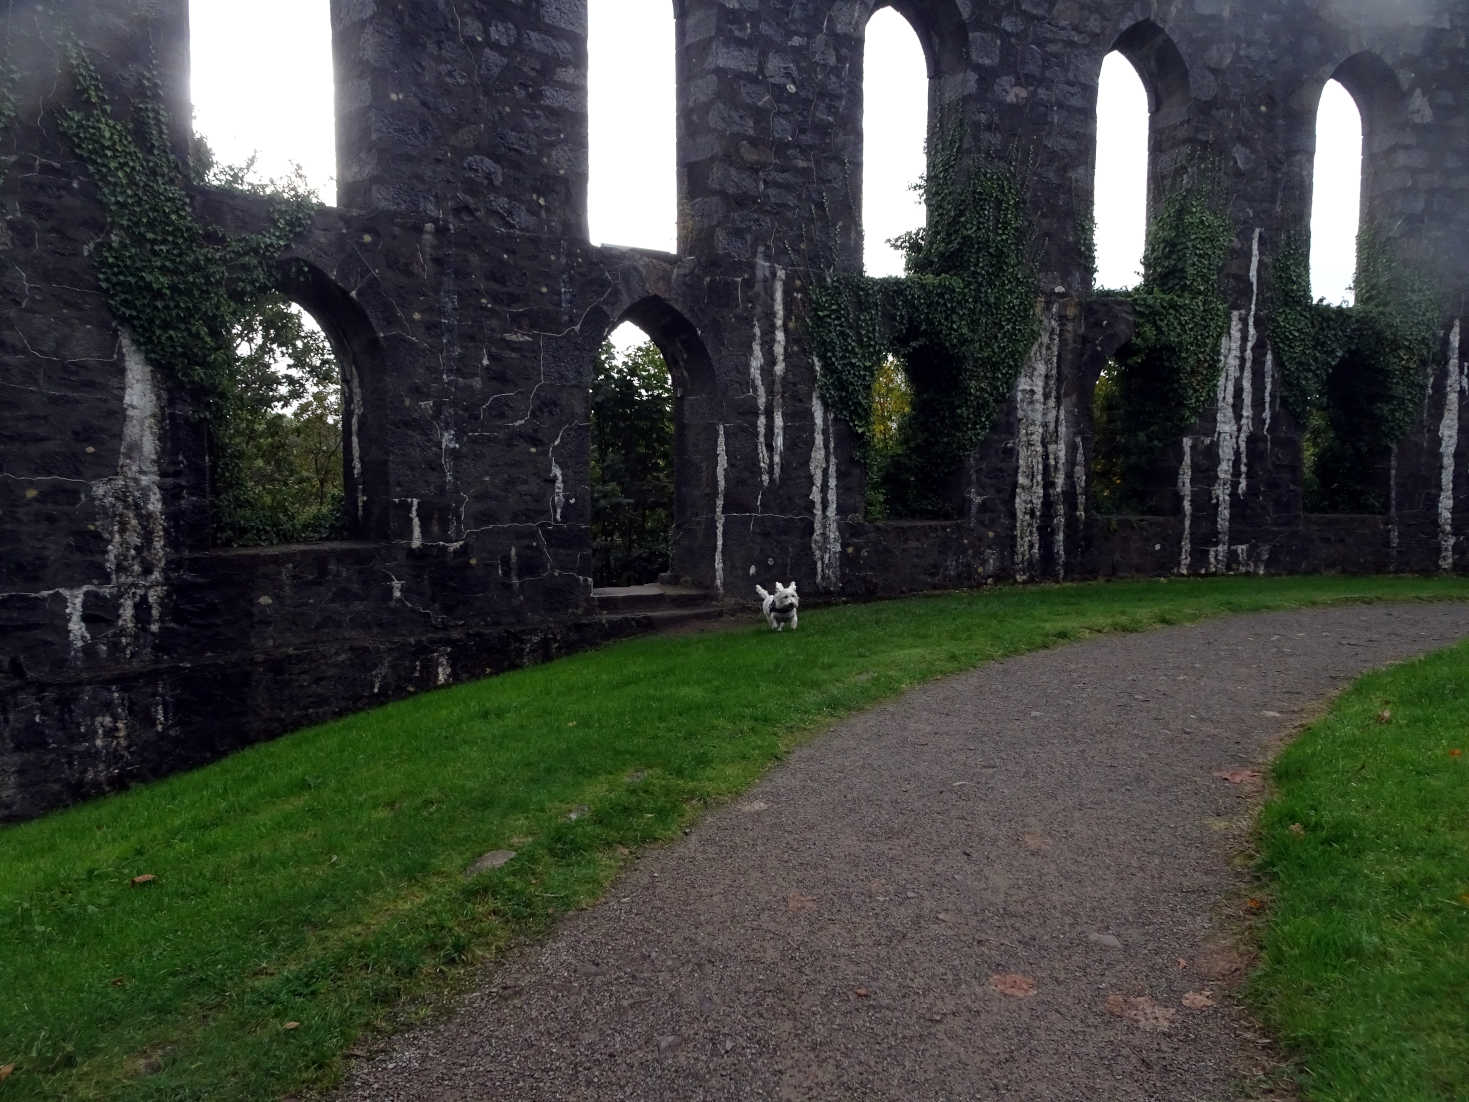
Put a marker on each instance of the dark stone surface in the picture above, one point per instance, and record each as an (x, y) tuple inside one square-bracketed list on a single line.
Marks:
[(466, 306)]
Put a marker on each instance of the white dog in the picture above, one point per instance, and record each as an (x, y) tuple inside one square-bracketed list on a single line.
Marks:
[(779, 608)]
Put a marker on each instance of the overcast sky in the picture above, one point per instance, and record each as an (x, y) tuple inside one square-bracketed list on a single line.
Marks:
[(242, 109)]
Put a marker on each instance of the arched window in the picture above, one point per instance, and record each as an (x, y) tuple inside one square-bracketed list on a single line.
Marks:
[(276, 442), (632, 194), (243, 110), (631, 461), (1121, 211), (894, 128), (1336, 197)]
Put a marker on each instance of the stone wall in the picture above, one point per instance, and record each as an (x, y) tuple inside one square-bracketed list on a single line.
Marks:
[(466, 306)]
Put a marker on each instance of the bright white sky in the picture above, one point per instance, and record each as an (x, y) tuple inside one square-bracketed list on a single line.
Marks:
[(284, 116)]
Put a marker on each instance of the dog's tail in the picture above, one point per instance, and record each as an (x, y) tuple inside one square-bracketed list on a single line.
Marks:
[(760, 589)]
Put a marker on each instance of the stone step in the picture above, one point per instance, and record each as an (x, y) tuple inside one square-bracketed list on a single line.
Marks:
[(618, 600), (671, 619)]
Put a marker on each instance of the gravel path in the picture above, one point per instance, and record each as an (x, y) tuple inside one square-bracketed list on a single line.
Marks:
[(834, 934)]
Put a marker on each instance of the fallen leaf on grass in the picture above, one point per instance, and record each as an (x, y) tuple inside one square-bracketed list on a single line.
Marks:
[(1384, 716), (1198, 1000), (146, 878), (1456, 753), (6, 1072), (1298, 830), (118, 981), (291, 1025), (1142, 1012), (796, 903), (1238, 776), (1013, 984), (1253, 904)]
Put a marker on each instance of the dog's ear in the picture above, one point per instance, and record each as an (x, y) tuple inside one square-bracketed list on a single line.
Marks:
[(792, 587)]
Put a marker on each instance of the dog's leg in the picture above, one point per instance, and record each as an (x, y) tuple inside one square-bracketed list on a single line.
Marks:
[(795, 619)]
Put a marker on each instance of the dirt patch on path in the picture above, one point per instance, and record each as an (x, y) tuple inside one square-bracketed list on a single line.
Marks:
[(1002, 886)]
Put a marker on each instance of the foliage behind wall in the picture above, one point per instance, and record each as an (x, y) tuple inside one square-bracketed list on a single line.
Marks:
[(960, 323), (201, 305), (631, 466)]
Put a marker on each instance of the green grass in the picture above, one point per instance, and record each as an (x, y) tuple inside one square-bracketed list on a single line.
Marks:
[(1365, 971), (319, 879)]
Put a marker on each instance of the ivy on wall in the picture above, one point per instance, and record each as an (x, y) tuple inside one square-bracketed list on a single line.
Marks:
[(182, 289), (1353, 376), (1165, 377), (960, 323), (178, 286)]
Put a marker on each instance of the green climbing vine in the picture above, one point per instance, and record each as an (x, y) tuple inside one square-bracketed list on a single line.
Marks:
[(178, 286), (1353, 376), (1165, 377), (193, 298), (959, 323)]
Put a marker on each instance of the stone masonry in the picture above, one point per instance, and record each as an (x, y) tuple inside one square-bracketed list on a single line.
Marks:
[(466, 307)]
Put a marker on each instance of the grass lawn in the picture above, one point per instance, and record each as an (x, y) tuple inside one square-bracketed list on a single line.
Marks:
[(304, 887), (1365, 970)]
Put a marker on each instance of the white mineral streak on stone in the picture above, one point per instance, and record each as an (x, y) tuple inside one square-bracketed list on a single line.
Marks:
[(1037, 402), (132, 502), (824, 542), (757, 387), (558, 493), (1186, 495), (76, 628), (1448, 443), (1269, 386), (778, 425), (558, 479), (443, 672), (720, 468), (354, 397), (1226, 438), (448, 443), (1247, 372), (415, 528)]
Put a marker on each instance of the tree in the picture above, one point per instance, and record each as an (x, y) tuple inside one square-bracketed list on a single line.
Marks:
[(892, 402), (276, 444), (631, 465)]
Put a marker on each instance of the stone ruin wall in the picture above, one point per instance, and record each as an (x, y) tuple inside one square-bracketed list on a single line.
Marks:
[(466, 306)]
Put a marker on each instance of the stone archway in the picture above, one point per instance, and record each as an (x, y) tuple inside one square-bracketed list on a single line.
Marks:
[(697, 435)]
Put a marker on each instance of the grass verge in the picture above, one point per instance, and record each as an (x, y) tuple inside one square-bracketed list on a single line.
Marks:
[(303, 887), (1365, 850)]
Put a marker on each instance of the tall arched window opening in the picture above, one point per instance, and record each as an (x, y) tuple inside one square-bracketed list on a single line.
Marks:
[(631, 460), (1144, 137), (248, 115), (632, 194), (894, 129), (1121, 210), (1336, 197), (276, 438)]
